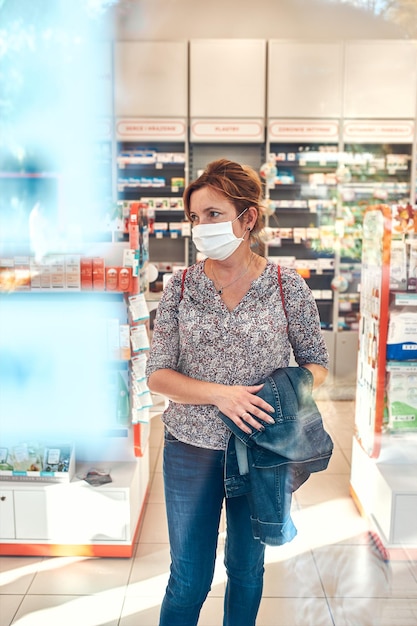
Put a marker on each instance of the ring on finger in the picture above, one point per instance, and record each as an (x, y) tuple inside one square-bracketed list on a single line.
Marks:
[(243, 414)]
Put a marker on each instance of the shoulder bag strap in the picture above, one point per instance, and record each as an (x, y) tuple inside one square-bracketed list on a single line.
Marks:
[(184, 274), (282, 291)]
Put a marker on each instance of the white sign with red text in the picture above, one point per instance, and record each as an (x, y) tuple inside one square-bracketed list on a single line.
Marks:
[(227, 130), (137, 129), (303, 130), (378, 131)]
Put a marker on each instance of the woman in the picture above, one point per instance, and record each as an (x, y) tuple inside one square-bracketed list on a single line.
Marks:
[(219, 329)]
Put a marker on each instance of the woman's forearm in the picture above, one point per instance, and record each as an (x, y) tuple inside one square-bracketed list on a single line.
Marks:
[(234, 401), (180, 388)]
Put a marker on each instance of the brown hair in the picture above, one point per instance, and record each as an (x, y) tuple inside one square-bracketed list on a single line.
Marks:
[(238, 183)]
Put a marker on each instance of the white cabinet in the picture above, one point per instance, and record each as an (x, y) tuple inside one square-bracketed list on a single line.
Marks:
[(388, 493), (227, 78), (7, 529), (75, 517), (395, 507), (31, 512), (304, 79), (346, 356), (380, 79), (151, 79)]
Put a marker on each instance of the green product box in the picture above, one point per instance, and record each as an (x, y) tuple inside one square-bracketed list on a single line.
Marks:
[(402, 396)]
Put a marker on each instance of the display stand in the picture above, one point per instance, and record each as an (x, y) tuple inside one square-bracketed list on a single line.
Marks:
[(70, 376), (152, 159), (370, 388), (384, 467)]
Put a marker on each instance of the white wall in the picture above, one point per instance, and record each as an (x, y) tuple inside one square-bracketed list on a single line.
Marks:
[(267, 19)]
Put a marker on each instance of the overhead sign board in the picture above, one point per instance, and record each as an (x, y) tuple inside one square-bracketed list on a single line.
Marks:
[(378, 131), (303, 130), (145, 129), (227, 130)]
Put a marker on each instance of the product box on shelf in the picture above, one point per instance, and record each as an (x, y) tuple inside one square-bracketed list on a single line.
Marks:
[(98, 274), (125, 278), (57, 271), (37, 462), (72, 272), (402, 336), (112, 278), (412, 264), (35, 273), (402, 396), (398, 265), (22, 272), (86, 270)]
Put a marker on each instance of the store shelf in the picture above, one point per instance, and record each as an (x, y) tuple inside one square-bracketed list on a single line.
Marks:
[(384, 469)]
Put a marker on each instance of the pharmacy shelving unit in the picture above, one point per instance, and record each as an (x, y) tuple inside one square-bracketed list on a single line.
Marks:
[(152, 167), (65, 379), (384, 469)]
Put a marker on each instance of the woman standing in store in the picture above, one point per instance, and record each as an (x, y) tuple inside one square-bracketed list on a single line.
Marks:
[(220, 328)]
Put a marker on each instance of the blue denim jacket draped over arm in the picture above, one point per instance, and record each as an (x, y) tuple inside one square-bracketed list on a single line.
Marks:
[(269, 465)]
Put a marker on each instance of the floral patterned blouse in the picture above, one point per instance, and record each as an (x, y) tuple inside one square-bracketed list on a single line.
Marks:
[(195, 334)]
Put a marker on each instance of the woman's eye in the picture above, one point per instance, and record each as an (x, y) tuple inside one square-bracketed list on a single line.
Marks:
[(214, 214)]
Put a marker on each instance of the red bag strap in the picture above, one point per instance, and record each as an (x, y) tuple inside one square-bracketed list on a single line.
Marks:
[(282, 291), (184, 274)]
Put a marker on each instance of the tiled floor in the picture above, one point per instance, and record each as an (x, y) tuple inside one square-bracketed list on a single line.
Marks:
[(328, 576)]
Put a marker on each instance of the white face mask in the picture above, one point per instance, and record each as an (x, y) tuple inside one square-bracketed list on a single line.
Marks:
[(216, 241)]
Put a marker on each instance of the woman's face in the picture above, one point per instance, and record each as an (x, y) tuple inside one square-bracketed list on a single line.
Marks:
[(208, 206)]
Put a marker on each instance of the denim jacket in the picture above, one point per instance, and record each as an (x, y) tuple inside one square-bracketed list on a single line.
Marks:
[(269, 465)]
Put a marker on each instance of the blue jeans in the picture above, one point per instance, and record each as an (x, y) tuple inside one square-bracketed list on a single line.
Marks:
[(194, 494)]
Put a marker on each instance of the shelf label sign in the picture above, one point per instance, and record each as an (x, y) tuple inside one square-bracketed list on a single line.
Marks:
[(303, 130), (227, 130), (151, 129), (378, 131)]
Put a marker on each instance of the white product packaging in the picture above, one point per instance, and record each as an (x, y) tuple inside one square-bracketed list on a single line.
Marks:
[(138, 307), (57, 268), (402, 396), (139, 366), (72, 272), (398, 265), (139, 338), (402, 336), (412, 267)]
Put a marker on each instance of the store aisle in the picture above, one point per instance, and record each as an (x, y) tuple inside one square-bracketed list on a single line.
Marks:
[(328, 576)]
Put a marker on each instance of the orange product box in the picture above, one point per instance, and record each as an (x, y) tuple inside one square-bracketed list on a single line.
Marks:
[(125, 278), (86, 270), (112, 278), (98, 274), (134, 225)]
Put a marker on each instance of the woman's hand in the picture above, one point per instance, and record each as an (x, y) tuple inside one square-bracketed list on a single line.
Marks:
[(243, 407), (238, 402)]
